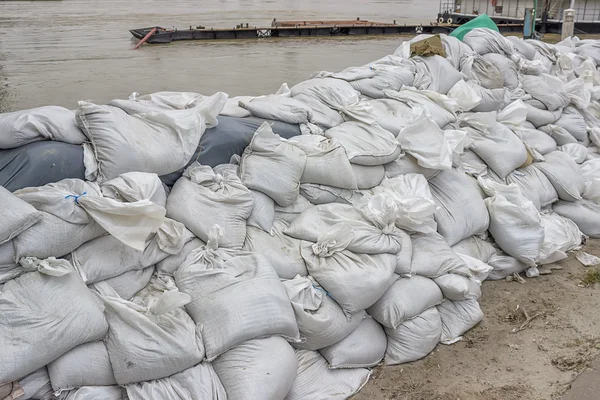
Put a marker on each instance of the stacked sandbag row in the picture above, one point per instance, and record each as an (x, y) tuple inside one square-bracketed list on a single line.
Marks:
[(291, 268)]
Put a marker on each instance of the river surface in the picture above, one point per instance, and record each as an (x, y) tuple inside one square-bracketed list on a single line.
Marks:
[(59, 52)]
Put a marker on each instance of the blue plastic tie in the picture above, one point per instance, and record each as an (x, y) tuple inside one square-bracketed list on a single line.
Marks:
[(76, 197), (326, 292)]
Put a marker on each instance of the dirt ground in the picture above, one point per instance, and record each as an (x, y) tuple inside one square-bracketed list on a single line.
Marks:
[(492, 362)]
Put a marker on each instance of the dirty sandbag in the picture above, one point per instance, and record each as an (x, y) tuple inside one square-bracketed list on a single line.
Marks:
[(461, 211), (198, 382), (37, 385), (282, 251), (560, 236), (564, 174), (513, 115), (541, 117), (578, 93), (491, 99), (387, 78), (507, 68), (482, 71), (534, 185), (585, 213), (537, 140), (404, 300), (45, 313), (465, 96), (413, 339), (348, 74), (576, 151), (172, 263), (279, 108), (135, 186), (484, 41), (263, 212), (95, 393), (547, 89), (407, 164), (589, 50), (365, 144), (289, 213), (457, 287), (43, 123), (572, 120), (433, 257), (560, 135), (442, 108), (368, 177), (476, 248), (355, 281), (85, 365), (230, 289), (129, 283), (322, 194), (457, 318), (257, 369), (317, 381), (363, 348), (320, 319), (522, 47), (471, 164), (273, 166), (435, 73), (326, 162), (390, 114), (17, 216), (503, 266), (426, 47), (202, 198)]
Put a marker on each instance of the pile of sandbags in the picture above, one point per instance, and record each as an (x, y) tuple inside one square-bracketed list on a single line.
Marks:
[(211, 254)]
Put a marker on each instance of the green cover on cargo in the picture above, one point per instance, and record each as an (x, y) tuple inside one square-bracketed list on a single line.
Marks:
[(483, 21)]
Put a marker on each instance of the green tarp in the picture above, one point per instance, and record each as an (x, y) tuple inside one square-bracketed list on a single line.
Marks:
[(483, 21)]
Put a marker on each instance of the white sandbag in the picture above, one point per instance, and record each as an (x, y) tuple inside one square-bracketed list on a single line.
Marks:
[(513, 116), (541, 117), (37, 385), (86, 365), (455, 49), (522, 47), (202, 198), (289, 213), (484, 40), (17, 216), (135, 186), (365, 144), (458, 287), (385, 78), (471, 164), (263, 212), (496, 144), (106, 257), (282, 251), (75, 212), (273, 166), (413, 339), (170, 264), (414, 201), (433, 257), (391, 114), (199, 382), (476, 248), (316, 381), (322, 115), (560, 236), (585, 213), (457, 318), (435, 73), (573, 122), (363, 348), (367, 177), (506, 67), (258, 369), (442, 108), (169, 137), (404, 257), (465, 96), (504, 266), (482, 71), (479, 269), (95, 393), (537, 140), (174, 347), (42, 123), (564, 174), (230, 290), (534, 185), (232, 107), (404, 300), (461, 211), (491, 99), (560, 135), (514, 222), (326, 162), (576, 151), (279, 108), (591, 50), (321, 194), (547, 89), (40, 308), (348, 74), (407, 164), (355, 281), (129, 283), (320, 319)]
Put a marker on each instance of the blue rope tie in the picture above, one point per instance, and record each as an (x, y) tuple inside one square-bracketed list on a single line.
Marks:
[(326, 292), (76, 197)]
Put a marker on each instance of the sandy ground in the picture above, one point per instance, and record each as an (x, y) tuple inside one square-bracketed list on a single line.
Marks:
[(494, 363)]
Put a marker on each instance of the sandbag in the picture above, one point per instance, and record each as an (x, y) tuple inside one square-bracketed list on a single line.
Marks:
[(39, 308), (95, 393), (476, 248), (263, 212), (37, 385), (391, 115), (289, 213), (560, 135), (407, 164), (365, 144), (316, 381), (564, 174), (135, 186), (404, 300), (506, 67), (202, 198), (573, 122), (585, 213), (461, 211), (484, 41), (504, 266), (386, 78), (257, 369), (279, 108), (546, 89), (414, 338), (199, 382), (19, 128), (86, 365), (433, 257), (465, 96), (354, 281), (537, 140), (522, 47), (367, 177), (320, 319), (534, 185), (457, 318), (230, 290), (458, 287), (363, 348), (171, 264), (129, 283), (541, 117), (17, 216), (576, 151), (321, 194), (482, 71), (440, 107), (272, 166), (282, 251), (560, 236), (491, 99), (435, 73)]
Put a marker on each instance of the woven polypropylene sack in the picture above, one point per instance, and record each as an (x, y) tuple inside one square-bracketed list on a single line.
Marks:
[(457, 318), (17, 216), (564, 174), (534, 185), (507, 68), (129, 283), (585, 213), (476, 248), (172, 263), (537, 140), (432, 257)]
